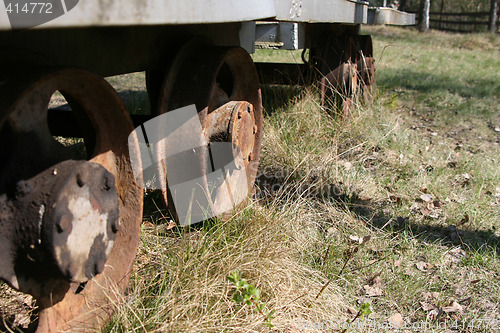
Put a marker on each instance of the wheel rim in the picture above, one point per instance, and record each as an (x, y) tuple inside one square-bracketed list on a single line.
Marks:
[(366, 66), (69, 306), (214, 78)]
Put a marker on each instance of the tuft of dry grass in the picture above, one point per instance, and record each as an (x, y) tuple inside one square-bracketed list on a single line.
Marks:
[(180, 284)]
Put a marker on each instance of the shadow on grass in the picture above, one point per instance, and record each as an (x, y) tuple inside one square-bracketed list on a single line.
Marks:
[(276, 98), (470, 240), (372, 214)]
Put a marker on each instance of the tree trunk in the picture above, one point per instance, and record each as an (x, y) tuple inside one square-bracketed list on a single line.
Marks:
[(424, 15), (493, 16)]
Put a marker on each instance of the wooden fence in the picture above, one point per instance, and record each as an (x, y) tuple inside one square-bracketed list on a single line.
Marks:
[(460, 22)]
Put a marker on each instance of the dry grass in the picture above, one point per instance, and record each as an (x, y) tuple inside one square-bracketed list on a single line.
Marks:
[(180, 283)]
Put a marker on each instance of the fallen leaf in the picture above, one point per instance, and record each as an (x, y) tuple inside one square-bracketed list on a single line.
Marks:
[(373, 291), (352, 311), (433, 314), (396, 320), (434, 215), (425, 211), (424, 266), (426, 197), (453, 307), (475, 281), (395, 199), (375, 279), (459, 290), (427, 306), (465, 219), (148, 225), (171, 225), (414, 207), (359, 240), (457, 255), (348, 165)]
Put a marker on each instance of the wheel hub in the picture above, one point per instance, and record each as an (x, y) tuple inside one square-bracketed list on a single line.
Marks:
[(242, 130)]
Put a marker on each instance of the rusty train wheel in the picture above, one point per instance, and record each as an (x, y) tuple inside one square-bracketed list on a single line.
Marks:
[(346, 68), (336, 65), (223, 84), (366, 66), (65, 305)]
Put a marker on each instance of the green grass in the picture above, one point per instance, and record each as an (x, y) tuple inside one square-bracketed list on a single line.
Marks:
[(432, 129)]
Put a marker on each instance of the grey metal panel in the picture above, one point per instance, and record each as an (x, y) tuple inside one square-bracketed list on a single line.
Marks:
[(150, 12), (390, 16), (282, 35), (326, 11)]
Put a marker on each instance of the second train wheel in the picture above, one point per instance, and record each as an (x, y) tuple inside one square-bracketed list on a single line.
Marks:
[(336, 67), (223, 84), (65, 305), (346, 67)]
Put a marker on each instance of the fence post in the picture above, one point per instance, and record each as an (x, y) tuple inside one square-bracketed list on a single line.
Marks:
[(441, 16), (424, 15), (493, 16)]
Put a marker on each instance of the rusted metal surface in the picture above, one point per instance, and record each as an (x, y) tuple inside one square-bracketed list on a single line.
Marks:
[(62, 223), (79, 221), (213, 79), (366, 65), (335, 62)]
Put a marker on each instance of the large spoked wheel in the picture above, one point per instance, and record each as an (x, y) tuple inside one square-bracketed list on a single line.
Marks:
[(223, 84), (28, 149)]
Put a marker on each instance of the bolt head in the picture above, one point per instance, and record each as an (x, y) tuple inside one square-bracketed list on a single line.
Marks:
[(63, 224)]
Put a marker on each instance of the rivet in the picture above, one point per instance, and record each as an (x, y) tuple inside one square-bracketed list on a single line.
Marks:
[(106, 184), (63, 224), (115, 226), (79, 180), (98, 267)]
